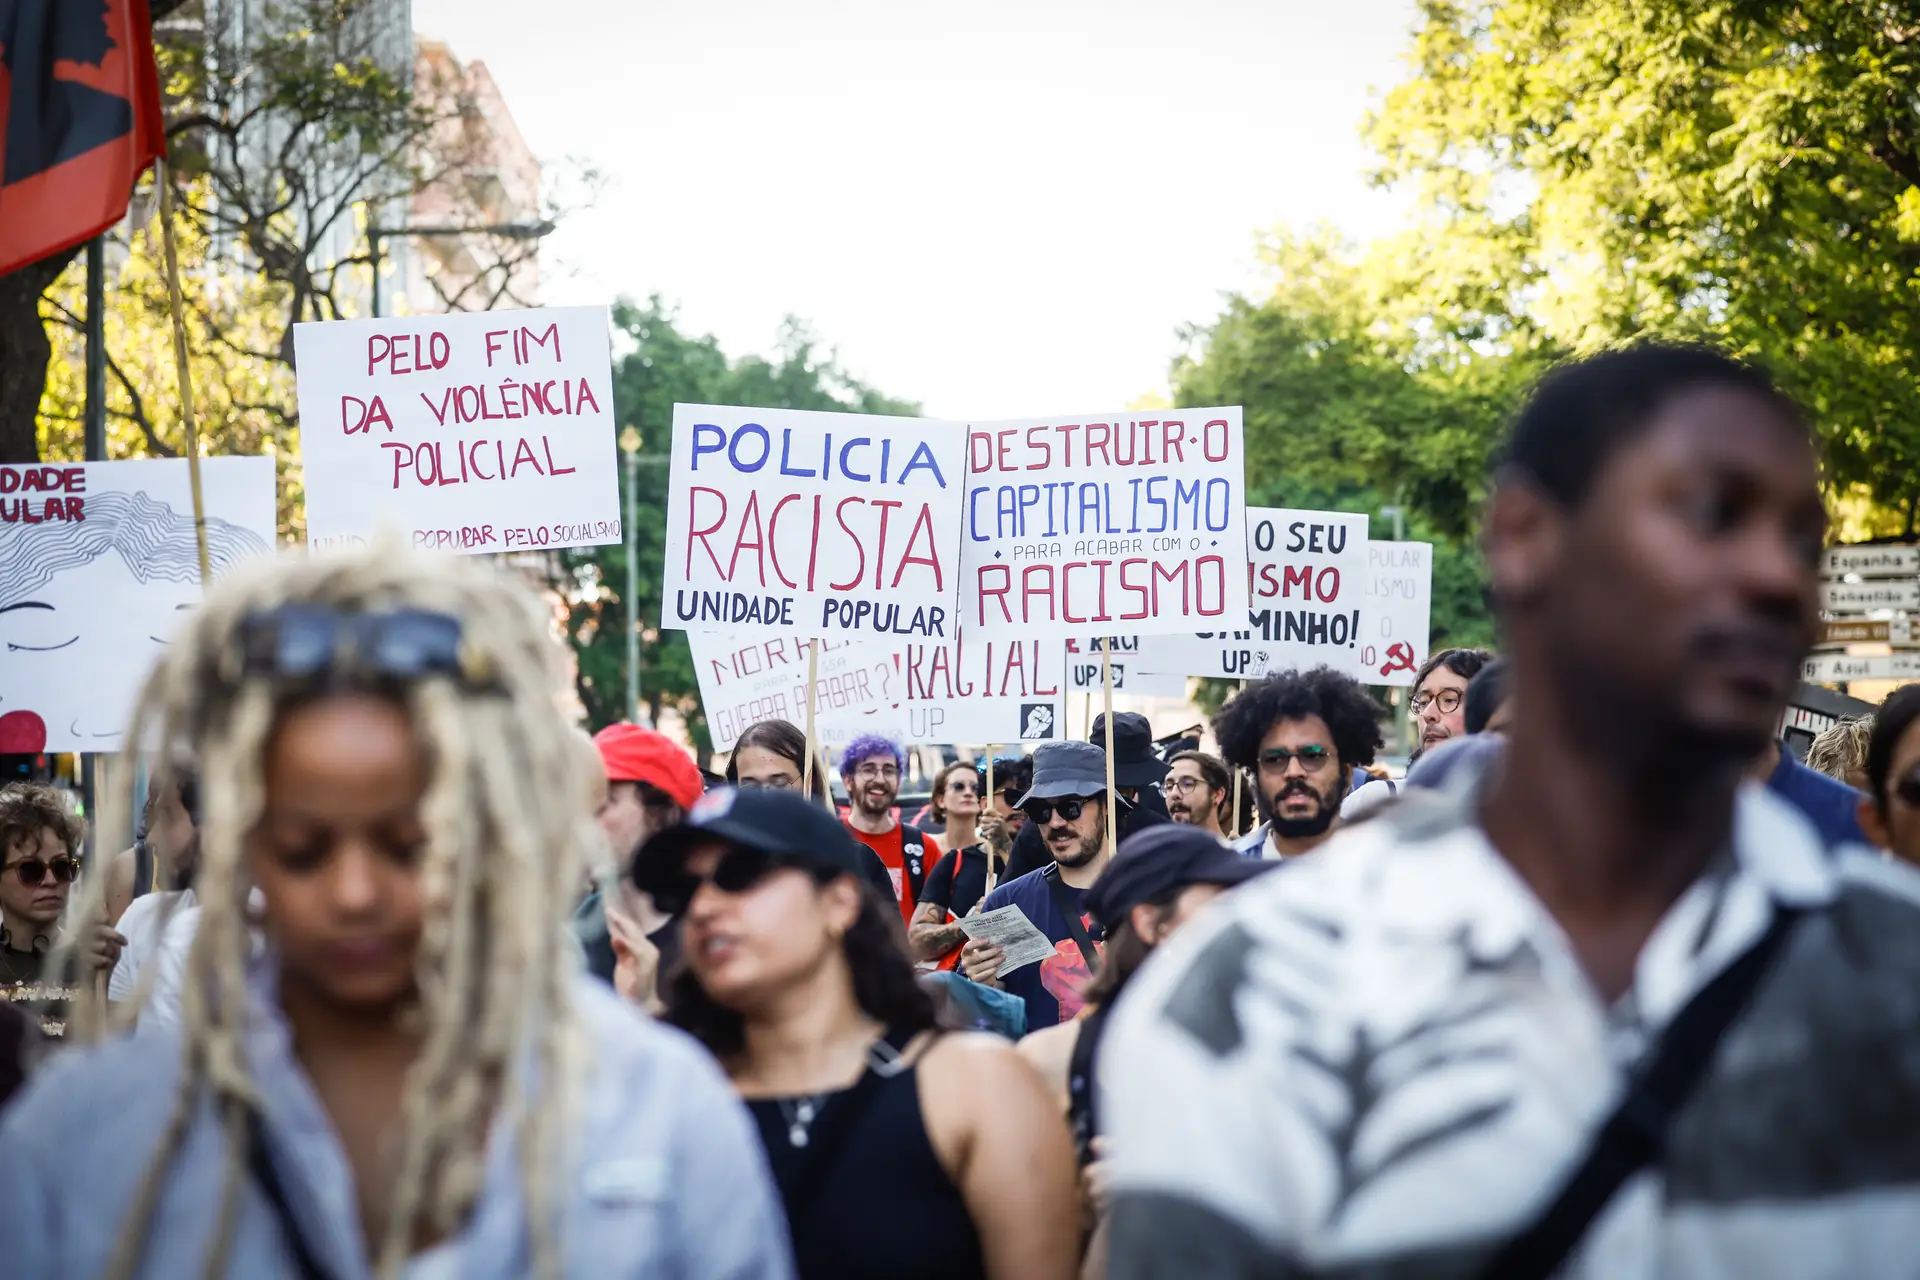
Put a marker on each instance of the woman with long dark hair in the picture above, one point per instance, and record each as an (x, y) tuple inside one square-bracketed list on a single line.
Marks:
[(900, 1150)]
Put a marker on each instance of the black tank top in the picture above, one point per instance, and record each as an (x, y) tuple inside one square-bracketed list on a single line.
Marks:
[(883, 1208)]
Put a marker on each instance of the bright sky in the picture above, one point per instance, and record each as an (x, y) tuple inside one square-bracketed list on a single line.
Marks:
[(998, 208)]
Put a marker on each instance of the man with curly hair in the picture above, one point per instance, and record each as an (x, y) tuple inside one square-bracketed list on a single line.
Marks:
[(871, 767), (1301, 734)]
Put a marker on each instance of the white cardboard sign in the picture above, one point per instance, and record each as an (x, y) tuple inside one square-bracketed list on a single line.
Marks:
[(472, 432), (745, 681), (983, 691), (98, 564), (840, 525), (1084, 676), (1396, 618), (1305, 581), (1104, 522)]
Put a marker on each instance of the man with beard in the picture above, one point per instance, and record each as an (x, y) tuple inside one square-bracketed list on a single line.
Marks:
[(1597, 1008), (1068, 805), (1439, 702), (1198, 789), (1301, 734), (871, 767)]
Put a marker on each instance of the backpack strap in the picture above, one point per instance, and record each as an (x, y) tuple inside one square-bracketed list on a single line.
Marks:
[(1635, 1135), (260, 1165), (1076, 929), (1080, 1111)]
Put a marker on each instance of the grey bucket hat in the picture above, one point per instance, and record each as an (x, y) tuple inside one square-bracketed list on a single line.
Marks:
[(1067, 769)]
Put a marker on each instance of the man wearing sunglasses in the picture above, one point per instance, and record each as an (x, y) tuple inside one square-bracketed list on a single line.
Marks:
[(40, 839), (1301, 734), (1067, 804)]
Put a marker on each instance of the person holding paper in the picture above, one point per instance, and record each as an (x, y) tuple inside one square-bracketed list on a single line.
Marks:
[(1301, 734), (959, 879), (900, 1149), (1067, 804)]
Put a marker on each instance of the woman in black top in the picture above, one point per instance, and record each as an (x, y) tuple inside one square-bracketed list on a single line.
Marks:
[(900, 1150)]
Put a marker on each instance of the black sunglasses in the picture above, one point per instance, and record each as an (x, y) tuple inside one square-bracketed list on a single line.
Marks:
[(310, 644), (738, 870), (1312, 759), (1042, 811), (32, 870)]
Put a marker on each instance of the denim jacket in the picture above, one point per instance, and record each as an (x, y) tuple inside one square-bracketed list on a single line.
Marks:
[(666, 1176)]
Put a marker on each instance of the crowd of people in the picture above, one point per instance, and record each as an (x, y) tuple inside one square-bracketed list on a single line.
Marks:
[(406, 977)]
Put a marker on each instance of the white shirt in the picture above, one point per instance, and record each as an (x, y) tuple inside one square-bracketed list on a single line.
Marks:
[(1387, 1059), (151, 924)]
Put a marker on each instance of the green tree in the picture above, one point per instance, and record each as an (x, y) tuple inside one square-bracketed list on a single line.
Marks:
[(1745, 172), (658, 365)]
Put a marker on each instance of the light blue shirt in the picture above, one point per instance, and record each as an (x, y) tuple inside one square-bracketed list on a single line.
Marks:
[(666, 1175)]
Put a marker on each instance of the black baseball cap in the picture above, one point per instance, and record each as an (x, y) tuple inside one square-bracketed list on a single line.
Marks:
[(1160, 859), (778, 823)]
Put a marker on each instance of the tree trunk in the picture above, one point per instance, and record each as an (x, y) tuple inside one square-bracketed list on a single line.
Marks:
[(24, 352)]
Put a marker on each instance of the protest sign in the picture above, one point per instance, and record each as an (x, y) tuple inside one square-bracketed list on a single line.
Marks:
[(827, 524), (1396, 615), (745, 681), (1083, 669), (983, 691), (98, 565), (1305, 581), (473, 431), (1108, 520)]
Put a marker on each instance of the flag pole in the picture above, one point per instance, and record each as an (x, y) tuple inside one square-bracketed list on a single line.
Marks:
[(1233, 826), (163, 179), (813, 674)]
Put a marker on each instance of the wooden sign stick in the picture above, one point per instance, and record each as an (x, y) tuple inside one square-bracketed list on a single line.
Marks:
[(164, 181), (1113, 796)]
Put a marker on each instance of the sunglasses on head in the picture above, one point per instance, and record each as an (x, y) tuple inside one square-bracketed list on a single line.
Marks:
[(33, 870), (1042, 811), (311, 644)]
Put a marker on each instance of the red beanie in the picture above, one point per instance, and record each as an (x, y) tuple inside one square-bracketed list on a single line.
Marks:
[(633, 754)]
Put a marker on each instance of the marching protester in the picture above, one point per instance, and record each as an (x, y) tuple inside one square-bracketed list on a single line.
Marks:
[(1156, 883), (772, 754), (1137, 772), (871, 767), (1198, 790), (959, 879), (158, 924), (1832, 807), (1601, 1010), (1012, 778), (1067, 804), (647, 783), (413, 1077), (40, 842), (1301, 734), (899, 1150), (1438, 703), (1489, 705), (1840, 752), (1891, 812)]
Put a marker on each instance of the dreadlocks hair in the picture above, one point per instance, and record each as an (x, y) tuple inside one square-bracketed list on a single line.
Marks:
[(1352, 717), (500, 870), (1842, 747)]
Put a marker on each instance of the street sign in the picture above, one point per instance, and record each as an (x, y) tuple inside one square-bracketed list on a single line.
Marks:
[(1836, 631), (1860, 597), (1871, 560), (1828, 668)]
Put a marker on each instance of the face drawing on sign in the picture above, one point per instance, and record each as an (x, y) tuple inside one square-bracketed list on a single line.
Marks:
[(87, 604)]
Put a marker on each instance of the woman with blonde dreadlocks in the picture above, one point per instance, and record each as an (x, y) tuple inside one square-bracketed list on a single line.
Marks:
[(413, 1079)]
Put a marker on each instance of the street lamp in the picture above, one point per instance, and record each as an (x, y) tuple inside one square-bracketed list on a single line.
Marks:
[(1398, 515), (505, 230), (630, 453)]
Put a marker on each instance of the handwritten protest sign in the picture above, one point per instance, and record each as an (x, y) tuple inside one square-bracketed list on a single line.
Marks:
[(1083, 670), (979, 691), (1306, 581), (743, 682), (1107, 520), (98, 565), (471, 432), (1395, 617), (829, 524)]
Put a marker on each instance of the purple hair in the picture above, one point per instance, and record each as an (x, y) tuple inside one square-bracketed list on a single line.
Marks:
[(867, 746)]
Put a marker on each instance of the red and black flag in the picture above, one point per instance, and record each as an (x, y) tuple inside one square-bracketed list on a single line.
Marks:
[(79, 120)]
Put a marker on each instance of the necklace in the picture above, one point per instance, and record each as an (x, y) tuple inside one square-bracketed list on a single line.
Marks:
[(800, 1113)]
